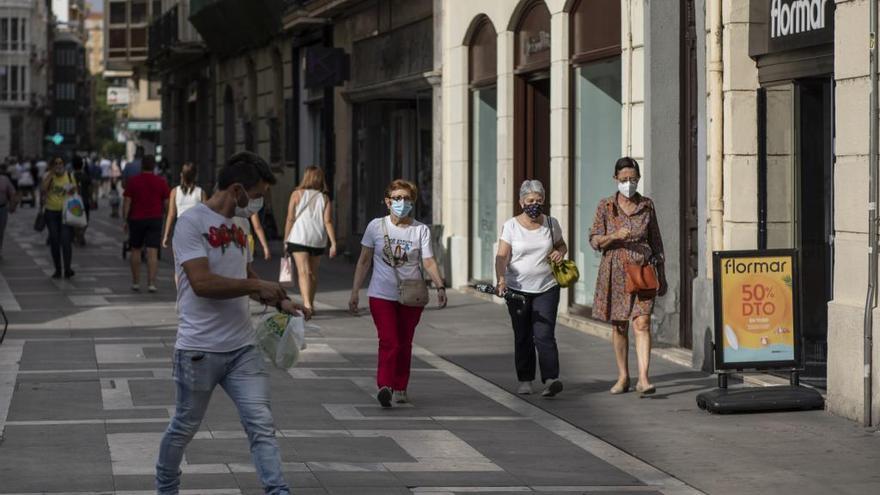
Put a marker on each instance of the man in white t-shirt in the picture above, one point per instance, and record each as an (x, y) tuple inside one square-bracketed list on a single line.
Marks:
[(215, 338)]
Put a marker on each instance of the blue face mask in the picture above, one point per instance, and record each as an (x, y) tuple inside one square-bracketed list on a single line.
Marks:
[(401, 208)]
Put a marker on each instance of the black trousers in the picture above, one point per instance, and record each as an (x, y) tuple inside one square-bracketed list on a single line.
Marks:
[(60, 237), (534, 328)]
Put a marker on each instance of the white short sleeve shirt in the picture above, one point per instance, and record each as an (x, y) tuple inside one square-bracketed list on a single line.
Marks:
[(529, 268), (408, 244), (211, 325)]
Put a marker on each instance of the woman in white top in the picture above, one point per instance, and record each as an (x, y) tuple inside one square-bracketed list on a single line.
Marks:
[(529, 241), (308, 229), (395, 246), (183, 197)]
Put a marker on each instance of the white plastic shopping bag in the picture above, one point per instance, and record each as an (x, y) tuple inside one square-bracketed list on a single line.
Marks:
[(281, 337), (75, 211), (285, 272)]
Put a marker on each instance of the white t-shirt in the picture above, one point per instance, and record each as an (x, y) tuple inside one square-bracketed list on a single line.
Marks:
[(405, 243), (211, 325), (529, 270), (105, 168)]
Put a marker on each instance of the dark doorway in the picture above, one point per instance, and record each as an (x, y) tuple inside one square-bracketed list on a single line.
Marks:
[(816, 221), (532, 156), (689, 250), (796, 198)]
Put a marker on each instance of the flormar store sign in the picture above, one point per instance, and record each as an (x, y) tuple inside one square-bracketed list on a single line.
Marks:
[(793, 24)]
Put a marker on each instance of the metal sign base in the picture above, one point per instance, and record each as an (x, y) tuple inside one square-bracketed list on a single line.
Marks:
[(792, 397)]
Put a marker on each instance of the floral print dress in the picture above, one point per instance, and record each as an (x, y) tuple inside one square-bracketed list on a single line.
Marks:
[(611, 301)]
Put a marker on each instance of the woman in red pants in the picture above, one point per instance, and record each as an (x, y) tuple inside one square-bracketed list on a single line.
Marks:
[(397, 247)]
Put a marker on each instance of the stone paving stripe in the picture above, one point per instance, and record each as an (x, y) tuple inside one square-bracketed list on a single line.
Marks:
[(7, 298), (80, 300), (452, 490), (88, 421), (633, 466), (10, 355)]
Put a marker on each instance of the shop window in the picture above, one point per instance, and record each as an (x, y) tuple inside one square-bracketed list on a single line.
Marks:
[(118, 12), (533, 37), (484, 182), (154, 90), (138, 12), (597, 145), (482, 63)]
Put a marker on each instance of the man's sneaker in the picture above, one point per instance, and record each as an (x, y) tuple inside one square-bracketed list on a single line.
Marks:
[(525, 388), (152, 288), (57, 274), (400, 397), (136, 287), (384, 397), (69, 274), (553, 388)]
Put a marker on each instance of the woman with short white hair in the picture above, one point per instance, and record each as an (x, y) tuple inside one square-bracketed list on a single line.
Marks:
[(529, 242)]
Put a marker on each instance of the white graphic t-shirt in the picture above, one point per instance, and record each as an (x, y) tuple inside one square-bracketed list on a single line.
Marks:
[(402, 251), (212, 325)]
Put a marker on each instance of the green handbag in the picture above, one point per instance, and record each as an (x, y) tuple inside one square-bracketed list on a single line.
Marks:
[(565, 272)]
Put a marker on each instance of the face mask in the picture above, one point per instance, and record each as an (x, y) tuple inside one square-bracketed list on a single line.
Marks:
[(253, 206), (533, 210), (628, 189), (401, 208)]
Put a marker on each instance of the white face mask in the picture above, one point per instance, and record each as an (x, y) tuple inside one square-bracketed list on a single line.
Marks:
[(628, 189), (253, 206)]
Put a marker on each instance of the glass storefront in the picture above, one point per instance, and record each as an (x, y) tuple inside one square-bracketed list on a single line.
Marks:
[(484, 183), (597, 146), (781, 180)]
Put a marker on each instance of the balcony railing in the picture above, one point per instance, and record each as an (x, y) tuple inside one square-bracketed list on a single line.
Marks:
[(163, 32)]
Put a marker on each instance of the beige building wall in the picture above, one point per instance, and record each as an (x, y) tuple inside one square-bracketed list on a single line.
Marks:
[(233, 72), (457, 19), (846, 310), (95, 42)]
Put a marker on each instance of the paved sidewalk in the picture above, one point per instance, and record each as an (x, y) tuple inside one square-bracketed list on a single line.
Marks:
[(85, 393)]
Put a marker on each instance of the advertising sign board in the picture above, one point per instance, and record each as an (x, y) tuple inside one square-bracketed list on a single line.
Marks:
[(118, 95), (756, 310)]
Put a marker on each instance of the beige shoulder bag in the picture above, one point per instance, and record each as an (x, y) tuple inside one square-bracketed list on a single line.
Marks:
[(410, 292)]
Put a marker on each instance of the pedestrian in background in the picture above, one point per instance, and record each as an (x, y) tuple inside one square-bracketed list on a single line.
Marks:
[(626, 231), (56, 186), (215, 338), (529, 242), (146, 198), (84, 185), (396, 246), (183, 197), (307, 230), (133, 168), (8, 198)]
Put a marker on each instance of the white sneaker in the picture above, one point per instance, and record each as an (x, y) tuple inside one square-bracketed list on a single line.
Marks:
[(553, 388), (136, 287), (152, 288), (525, 388), (400, 397)]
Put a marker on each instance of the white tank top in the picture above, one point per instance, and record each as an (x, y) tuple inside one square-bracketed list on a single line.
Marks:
[(308, 230), (187, 201)]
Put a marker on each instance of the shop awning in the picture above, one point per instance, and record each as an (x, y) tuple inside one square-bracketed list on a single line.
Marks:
[(228, 26)]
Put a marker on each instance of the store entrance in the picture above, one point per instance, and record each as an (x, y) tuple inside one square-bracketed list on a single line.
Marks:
[(796, 198), (532, 158)]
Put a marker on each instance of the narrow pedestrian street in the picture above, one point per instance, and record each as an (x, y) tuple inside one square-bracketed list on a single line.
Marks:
[(86, 392)]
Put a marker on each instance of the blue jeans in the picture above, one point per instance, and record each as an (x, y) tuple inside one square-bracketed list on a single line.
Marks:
[(243, 376)]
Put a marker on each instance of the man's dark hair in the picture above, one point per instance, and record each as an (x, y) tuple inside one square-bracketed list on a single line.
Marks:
[(245, 168), (148, 163), (139, 152), (77, 162)]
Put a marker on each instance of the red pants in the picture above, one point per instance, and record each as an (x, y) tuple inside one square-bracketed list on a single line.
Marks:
[(396, 325)]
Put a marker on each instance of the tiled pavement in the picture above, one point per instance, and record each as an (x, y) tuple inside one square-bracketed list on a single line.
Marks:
[(86, 391)]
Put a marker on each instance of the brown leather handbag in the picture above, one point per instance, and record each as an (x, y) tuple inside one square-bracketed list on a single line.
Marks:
[(641, 280)]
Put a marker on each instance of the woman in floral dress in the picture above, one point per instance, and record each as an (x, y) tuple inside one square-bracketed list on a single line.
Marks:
[(625, 230)]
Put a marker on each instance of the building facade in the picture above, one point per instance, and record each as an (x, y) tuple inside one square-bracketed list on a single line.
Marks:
[(126, 33), (750, 120), (24, 77), (71, 90)]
